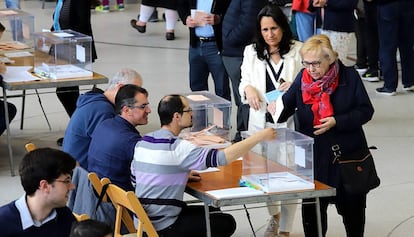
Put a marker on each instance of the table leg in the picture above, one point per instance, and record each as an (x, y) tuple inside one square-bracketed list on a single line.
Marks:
[(23, 107), (6, 115), (318, 217), (207, 213)]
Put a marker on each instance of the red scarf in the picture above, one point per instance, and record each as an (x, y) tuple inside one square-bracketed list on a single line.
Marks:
[(317, 93)]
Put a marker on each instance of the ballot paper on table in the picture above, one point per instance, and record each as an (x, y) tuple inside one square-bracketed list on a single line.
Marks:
[(18, 74)]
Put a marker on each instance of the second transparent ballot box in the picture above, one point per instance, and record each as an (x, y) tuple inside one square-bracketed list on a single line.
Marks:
[(19, 27), (210, 112), (282, 164), (62, 54)]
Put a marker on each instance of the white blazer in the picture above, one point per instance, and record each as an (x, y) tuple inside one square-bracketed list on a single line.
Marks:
[(253, 73)]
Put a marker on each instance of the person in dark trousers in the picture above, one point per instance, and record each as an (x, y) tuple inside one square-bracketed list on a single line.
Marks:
[(237, 32), (205, 44), (395, 19), (74, 15), (317, 97), (11, 107)]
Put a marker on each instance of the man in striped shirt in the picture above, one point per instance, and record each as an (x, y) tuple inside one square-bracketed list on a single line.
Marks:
[(163, 162)]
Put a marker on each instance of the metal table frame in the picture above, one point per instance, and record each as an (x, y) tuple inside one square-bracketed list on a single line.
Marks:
[(231, 179)]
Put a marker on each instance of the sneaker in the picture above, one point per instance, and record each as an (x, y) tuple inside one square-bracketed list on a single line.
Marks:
[(385, 91), (102, 9), (120, 7), (272, 229), (360, 69), (409, 88), (371, 75)]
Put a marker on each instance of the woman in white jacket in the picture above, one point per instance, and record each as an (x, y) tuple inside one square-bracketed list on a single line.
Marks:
[(270, 64)]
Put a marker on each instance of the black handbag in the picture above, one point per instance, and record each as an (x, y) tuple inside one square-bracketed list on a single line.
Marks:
[(357, 170)]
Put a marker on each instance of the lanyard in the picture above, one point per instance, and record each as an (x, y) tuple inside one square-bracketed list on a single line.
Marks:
[(56, 25)]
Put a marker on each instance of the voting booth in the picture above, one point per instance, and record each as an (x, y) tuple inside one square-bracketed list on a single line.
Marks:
[(282, 164)]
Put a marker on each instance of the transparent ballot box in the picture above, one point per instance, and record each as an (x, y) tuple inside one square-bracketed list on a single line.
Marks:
[(62, 54), (211, 114), (280, 165), (19, 27)]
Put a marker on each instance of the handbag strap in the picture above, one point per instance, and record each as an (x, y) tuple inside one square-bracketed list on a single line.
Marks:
[(336, 148)]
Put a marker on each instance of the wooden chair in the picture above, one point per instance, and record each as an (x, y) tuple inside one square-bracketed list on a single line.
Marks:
[(124, 201), (98, 185), (81, 217), (30, 147)]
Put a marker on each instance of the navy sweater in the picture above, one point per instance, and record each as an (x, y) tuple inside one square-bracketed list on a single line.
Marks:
[(11, 225)]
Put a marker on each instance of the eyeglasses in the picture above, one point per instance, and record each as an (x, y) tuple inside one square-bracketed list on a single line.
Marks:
[(314, 64), (188, 110), (143, 106), (67, 182)]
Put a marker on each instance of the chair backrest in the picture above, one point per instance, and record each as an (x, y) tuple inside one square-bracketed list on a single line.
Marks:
[(30, 147), (98, 185), (124, 201), (81, 217)]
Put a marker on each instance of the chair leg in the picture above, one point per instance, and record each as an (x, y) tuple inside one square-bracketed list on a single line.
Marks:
[(23, 106), (43, 110), (43, 4)]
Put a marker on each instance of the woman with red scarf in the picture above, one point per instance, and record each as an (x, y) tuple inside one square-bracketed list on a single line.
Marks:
[(331, 105)]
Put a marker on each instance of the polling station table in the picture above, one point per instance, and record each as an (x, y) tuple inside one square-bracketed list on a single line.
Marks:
[(39, 83), (228, 177)]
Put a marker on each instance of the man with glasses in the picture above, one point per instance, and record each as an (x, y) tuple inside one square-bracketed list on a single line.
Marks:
[(92, 108), (46, 177), (113, 141), (163, 163)]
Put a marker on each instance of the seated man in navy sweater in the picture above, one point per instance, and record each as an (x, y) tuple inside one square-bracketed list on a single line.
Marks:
[(45, 175), (113, 140)]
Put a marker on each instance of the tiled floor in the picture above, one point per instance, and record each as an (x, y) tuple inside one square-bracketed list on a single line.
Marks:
[(163, 65)]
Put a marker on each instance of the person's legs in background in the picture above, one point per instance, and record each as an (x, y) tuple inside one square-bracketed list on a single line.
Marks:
[(305, 25), (388, 43), (371, 42), (310, 226), (217, 70), (144, 15), (191, 222), (232, 66), (406, 39), (352, 210), (282, 217), (171, 17), (12, 113), (68, 96), (198, 69), (361, 60)]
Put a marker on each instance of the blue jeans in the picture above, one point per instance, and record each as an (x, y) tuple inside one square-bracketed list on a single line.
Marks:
[(305, 25), (205, 59), (16, 25), (396, 19)]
